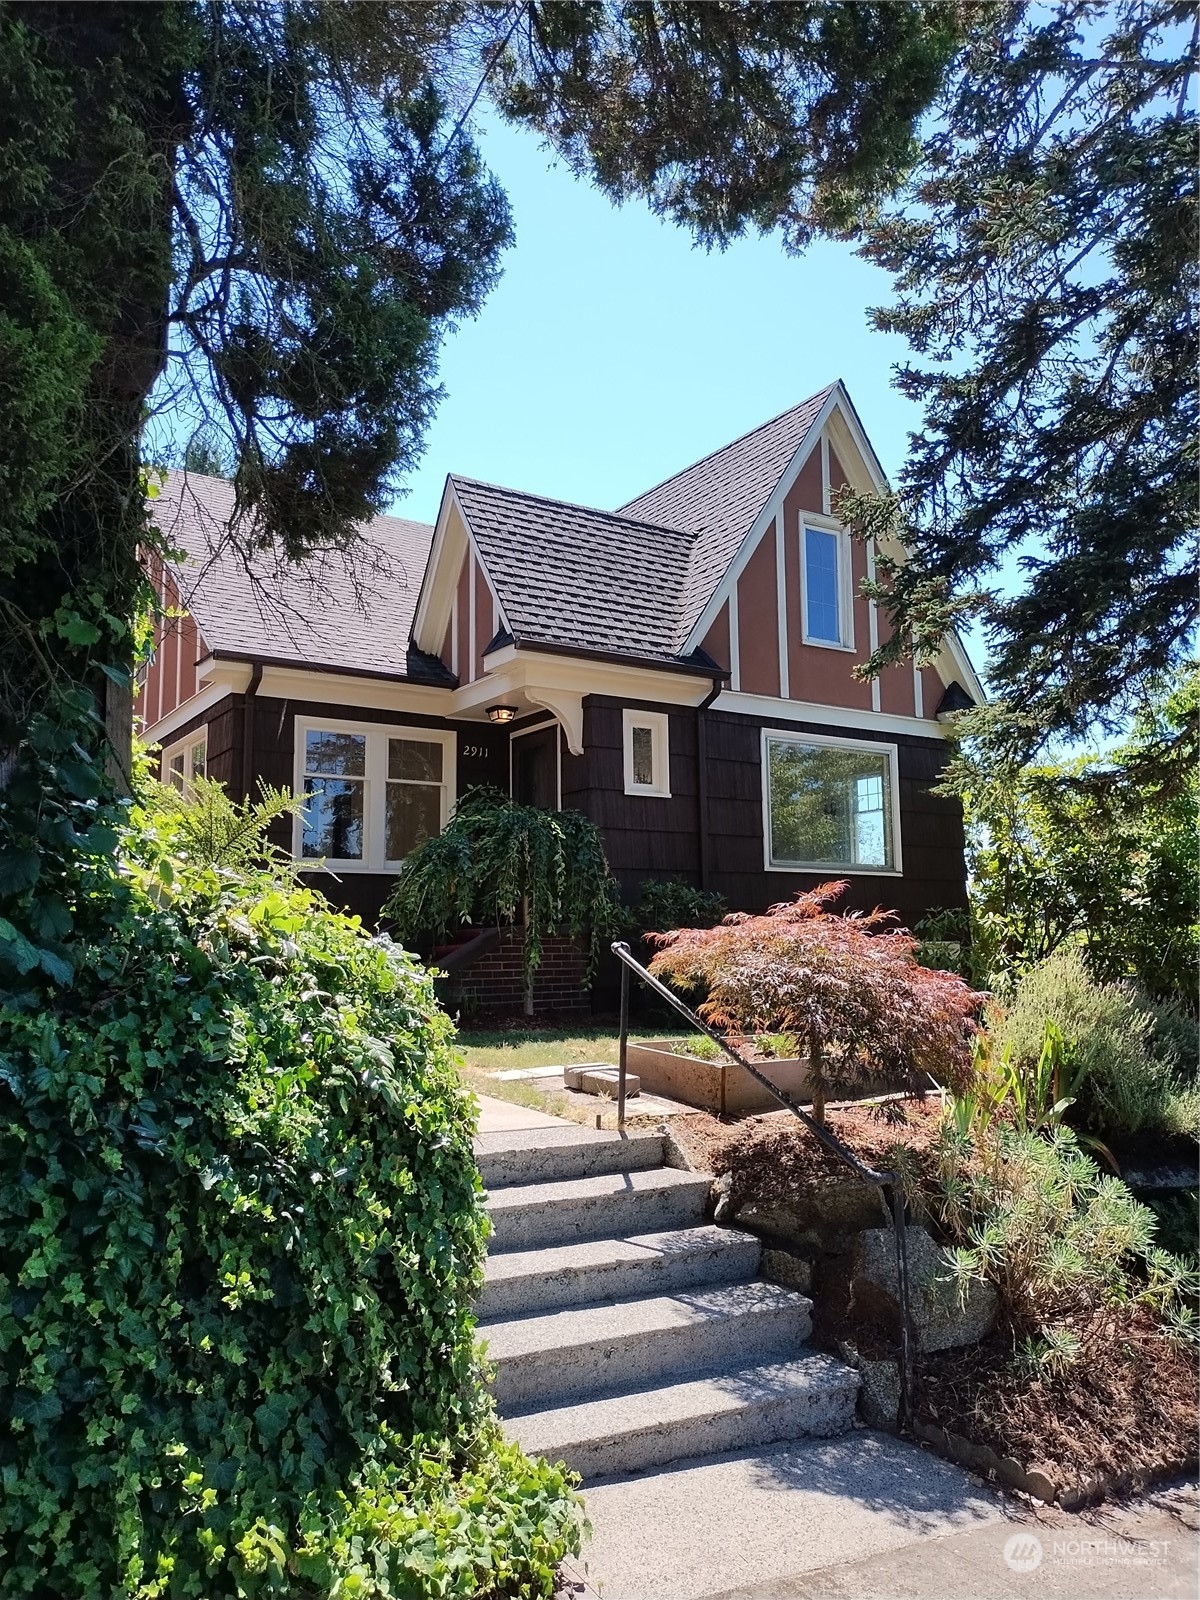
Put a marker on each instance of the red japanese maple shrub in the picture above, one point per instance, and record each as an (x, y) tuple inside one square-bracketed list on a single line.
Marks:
[(846, 985)]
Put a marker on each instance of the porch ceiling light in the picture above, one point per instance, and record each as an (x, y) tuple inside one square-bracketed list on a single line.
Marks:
[(501, 714)]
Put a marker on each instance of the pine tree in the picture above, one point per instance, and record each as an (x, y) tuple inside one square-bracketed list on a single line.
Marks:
[(1044, 256)]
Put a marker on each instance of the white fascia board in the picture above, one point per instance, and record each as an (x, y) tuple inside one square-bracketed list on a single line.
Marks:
[(439, 584), (761, 705), (451, 540), (847, 418), (761, 523), (341, 689), (963, 670)]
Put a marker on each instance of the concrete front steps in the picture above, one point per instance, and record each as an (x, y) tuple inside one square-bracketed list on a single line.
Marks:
[(627, 1331)]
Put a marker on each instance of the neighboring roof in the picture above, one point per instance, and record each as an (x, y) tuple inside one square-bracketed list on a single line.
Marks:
[(577, 578), (351, 611), (718, 499)]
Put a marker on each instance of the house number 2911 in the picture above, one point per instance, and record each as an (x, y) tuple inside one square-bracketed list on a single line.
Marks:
[(469, 750)]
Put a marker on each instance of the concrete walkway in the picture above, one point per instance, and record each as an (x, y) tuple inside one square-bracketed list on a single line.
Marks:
[(868, 1517), (501, 1116)]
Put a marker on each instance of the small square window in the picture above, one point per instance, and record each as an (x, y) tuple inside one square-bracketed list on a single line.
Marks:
[(647, 753)]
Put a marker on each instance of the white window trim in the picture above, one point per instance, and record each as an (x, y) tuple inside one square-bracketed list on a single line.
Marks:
[(374, 810), (659, 724), (185, 747), (845, 560), (839, 869)]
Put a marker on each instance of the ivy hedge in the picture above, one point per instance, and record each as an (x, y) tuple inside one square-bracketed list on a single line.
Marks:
[(240, 1236)]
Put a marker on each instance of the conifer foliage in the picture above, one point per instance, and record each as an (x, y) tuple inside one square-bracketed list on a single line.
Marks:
[(1044, 261)]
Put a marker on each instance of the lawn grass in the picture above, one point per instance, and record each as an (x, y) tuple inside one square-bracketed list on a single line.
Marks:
[(500, 1050)]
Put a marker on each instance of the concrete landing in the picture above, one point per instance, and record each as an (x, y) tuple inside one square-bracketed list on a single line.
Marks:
[(868, 1517), (501, 1116)]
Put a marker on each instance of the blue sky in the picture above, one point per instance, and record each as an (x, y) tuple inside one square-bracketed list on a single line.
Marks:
[(613, 351)]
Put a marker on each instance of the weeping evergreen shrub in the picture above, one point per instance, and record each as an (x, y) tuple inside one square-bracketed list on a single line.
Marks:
[(241, 1233), (499, 862)]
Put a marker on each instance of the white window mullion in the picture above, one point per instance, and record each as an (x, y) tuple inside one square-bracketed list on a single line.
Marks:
[(376, 799)]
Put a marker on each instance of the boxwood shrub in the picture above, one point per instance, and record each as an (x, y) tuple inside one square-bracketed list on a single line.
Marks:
[(240, 1236)]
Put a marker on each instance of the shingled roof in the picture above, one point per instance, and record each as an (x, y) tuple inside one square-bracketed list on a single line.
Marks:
[(351, 612), (632, 582), (580, 579), (718, 498)]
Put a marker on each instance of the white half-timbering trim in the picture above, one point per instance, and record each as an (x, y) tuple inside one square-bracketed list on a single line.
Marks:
[(375, 783), (659, 725), (735, 645), (872, 622), (840, 868), (761, 705), (826, 492), (781, 600), (918, 690), (474, 649)]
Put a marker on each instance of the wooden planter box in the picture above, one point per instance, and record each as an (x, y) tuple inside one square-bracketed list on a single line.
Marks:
[(721, 1087)]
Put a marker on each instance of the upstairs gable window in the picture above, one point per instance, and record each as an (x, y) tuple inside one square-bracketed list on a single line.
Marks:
[(826, 581)]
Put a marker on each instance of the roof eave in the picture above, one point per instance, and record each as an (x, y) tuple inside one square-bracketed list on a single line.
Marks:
[(693, 668), (334, 668)]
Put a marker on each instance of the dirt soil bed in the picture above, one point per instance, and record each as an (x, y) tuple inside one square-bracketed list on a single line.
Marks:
[(1127, 1406), (774, 1155)]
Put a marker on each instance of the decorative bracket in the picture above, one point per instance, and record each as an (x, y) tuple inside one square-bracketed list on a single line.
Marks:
[(567, 709)]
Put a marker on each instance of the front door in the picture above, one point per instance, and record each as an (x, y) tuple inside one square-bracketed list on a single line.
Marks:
[(535, 768)]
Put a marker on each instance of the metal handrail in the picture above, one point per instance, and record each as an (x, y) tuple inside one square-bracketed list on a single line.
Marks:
[(888, 1182)]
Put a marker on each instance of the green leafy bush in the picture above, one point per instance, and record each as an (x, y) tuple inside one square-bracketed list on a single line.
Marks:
[(496, 861), (667, 903), (1131, 1079), (240, 1236), (776, 1046)]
